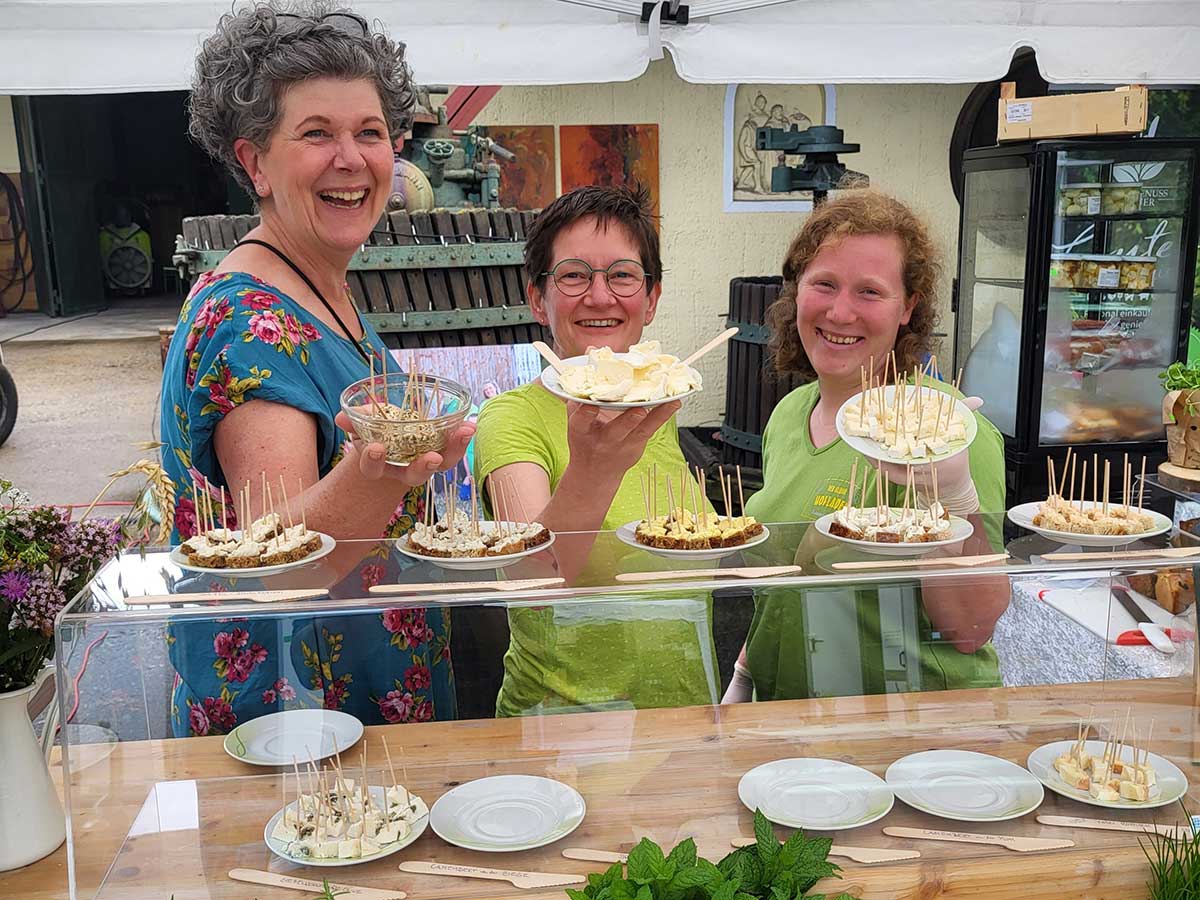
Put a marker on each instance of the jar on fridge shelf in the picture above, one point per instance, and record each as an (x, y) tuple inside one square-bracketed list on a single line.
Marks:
[(1079, 199), (1120, 198), (1137, 273)]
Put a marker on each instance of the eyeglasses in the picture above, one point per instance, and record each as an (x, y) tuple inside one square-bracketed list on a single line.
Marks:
[(349, 23), (573, 277)]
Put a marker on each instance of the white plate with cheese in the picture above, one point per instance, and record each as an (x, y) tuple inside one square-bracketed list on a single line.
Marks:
[(864, 430), (641, 378)]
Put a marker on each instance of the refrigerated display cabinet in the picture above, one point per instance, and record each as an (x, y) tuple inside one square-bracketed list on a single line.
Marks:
[(1074, 291)]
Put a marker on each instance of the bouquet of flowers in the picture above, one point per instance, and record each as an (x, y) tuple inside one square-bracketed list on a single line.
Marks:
[(46, 558)]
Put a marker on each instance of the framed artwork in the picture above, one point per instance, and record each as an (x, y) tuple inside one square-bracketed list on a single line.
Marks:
[(747, 171), (528, 182), (610, 155)]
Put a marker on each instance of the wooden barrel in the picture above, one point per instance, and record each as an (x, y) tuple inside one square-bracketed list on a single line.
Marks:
[(751, 388)]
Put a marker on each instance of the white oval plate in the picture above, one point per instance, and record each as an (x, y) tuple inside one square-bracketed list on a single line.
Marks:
[(1171, 782), (327, 544), (625, 534), (960, 530), (964, 785), (816, 794), (550, 382), (506, 813), (473, 563), (278, 738), (378, 794), (1023, 515), (874, 450)]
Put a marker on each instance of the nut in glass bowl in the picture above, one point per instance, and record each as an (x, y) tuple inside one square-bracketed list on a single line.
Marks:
[(408, 415)]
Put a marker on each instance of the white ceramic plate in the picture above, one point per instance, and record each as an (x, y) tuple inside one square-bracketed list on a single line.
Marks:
[(506, 813), (1023, 515), (327, 545), (874, 450), (473, 563), (1171, 782), (378, 794), (625, 534), (278, 738), (960, 530), (964, 785), (550, 383), (817, 794)]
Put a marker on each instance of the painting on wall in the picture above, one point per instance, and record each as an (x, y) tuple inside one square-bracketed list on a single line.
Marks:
[(610, 155), (528, 182), (748, 107)]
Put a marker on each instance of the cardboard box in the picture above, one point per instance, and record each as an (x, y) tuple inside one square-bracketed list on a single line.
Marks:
[(1121, 111)]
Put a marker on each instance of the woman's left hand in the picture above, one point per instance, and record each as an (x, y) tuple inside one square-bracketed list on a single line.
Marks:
[(372, 458)]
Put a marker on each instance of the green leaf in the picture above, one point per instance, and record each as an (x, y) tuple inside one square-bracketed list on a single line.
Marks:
[(690, 877), (684, 854), (577, 895), (644, 892), (726, 891), (712, 874), (764, 835), (622, 890), (646, 862)]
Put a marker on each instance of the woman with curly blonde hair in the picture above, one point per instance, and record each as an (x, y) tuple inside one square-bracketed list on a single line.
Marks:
[(860, 283)]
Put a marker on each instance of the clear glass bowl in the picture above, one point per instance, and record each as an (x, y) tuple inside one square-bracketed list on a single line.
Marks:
[(407, 419)]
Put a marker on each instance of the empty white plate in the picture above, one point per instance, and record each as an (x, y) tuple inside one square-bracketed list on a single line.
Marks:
[(505, 813), (964, 785), (817, 794), (279, 738), (1171, 783)]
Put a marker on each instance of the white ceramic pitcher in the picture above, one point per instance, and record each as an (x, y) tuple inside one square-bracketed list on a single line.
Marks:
[(32, 824)]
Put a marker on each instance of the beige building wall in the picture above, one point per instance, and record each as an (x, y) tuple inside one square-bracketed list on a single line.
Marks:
[(905, 135)]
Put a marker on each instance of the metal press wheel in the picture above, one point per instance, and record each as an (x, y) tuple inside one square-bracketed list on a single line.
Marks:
[(128, 268)]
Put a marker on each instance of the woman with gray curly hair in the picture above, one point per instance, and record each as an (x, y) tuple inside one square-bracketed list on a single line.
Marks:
[(303, 107)]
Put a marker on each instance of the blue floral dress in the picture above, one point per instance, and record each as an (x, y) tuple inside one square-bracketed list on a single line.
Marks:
[(241, 339)]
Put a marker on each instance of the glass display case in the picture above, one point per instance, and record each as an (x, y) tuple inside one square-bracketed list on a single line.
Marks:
[(978, 648), (1074, 291)]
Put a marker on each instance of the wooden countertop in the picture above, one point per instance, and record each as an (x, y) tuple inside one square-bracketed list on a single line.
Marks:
[(667, 774)]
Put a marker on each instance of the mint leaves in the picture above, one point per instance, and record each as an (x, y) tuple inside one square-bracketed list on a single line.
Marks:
[(768, 870)]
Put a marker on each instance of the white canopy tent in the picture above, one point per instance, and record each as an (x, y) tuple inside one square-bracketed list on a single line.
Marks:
[(101, 46)]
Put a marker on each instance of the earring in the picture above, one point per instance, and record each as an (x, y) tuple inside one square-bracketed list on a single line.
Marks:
[(261, 190)]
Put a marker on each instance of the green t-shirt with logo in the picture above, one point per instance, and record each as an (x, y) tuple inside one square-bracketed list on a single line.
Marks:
[(614, 651), (839, 640)]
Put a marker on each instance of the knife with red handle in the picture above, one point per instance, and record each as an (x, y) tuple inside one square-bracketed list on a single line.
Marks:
[(1138, 639)]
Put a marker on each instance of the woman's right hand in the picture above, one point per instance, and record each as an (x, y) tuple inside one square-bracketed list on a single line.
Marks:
[(612, 447)]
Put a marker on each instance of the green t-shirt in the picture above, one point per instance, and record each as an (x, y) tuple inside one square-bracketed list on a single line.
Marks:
[(607, 652), (823, 642)]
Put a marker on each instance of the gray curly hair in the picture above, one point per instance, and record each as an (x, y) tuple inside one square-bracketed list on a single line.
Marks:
[(259, 51)]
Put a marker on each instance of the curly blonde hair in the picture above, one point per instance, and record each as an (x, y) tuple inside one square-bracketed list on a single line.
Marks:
[(860, 212)]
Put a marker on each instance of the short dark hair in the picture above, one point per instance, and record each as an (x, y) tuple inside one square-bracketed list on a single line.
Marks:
[(629, 207)]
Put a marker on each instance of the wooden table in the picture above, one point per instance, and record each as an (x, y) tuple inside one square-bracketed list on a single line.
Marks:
[(668, 774)]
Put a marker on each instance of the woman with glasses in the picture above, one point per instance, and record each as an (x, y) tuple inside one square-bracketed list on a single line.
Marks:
[(594, 277), (303, 109)]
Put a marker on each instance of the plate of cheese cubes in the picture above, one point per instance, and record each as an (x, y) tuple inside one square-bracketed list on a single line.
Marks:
[(1111, 773), (337, 825), (906, 423)]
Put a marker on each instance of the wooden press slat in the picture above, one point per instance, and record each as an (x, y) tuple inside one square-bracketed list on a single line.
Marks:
[(456, 278), (225, 226), (408, 288), (191, 232), (435, 279), (477, 297), (493, 278), (371, 283), (510, 277)]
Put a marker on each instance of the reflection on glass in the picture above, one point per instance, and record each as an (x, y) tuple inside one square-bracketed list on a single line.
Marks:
[(995, 230)]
